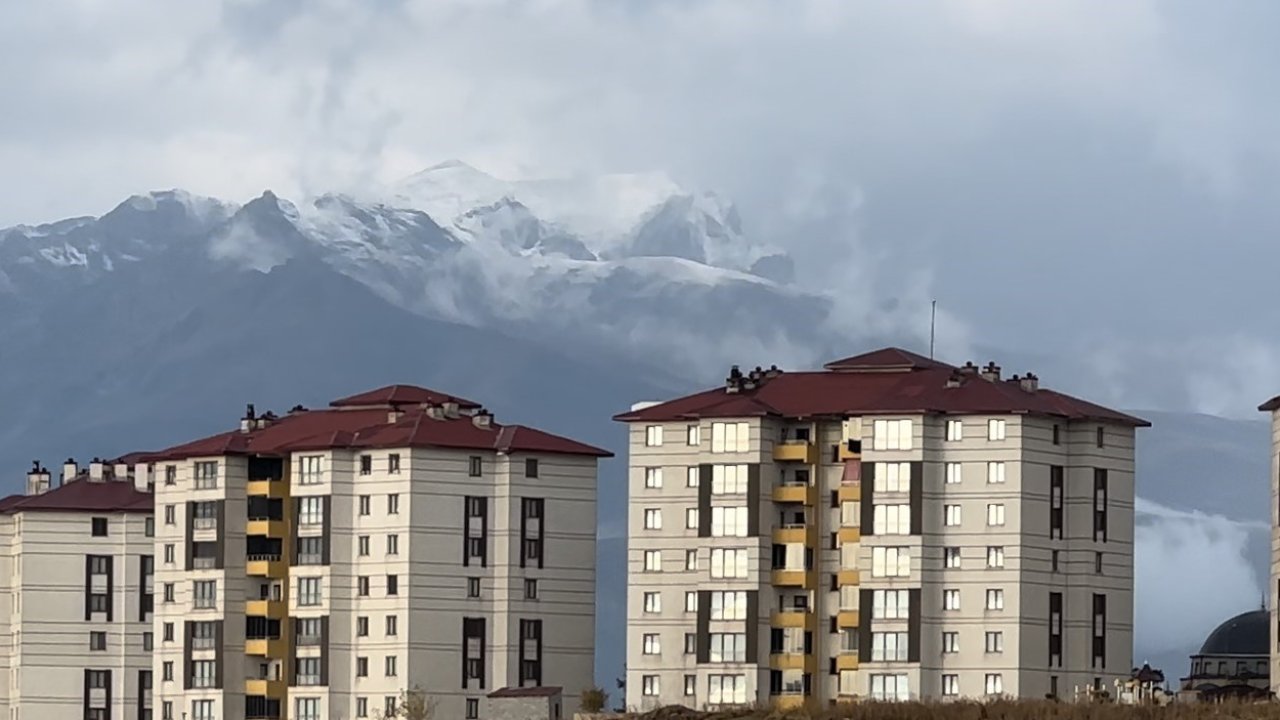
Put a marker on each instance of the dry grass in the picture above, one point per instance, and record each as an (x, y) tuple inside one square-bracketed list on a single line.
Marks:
[(997, 710)]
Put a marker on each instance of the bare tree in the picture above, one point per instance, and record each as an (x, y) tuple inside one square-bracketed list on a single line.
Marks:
[(414, 704), (594, 699)]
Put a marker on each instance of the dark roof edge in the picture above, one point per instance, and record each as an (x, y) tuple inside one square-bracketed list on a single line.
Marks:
[(645, 416), (1270, 405)]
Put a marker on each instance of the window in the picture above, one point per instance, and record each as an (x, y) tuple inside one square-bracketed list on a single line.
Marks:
[(530, 589), (729, 479), (893, 477), (995, 557), (393, 463), (693, 435), (308, 671), (994, 684), (362, 586), (953, 473), (362, 667), (892, 519), (1097, 563), (1100, 505), (652, 646), (362, 626), (206, 475), (98, 527), (951, 515), (951, 557), (362, 545), (307, 708), (653, 478), (995, 429), (653, 436), (889, 687), (691, 602), (531, 467), (889, 646), (169, 553), (690, 643), (97, 640), (393, 585), (170, 474), (890, 562), (166, 671), (203, 710), (1102, 434), (653, 561), (1053, 561), (473, 587), (390, 666), (393, 544), (1056, 432), (729, 605), (995, 515), (393, 504), (364, 504), (473, 709), (889, 605), (955, 430), (995, 599), (652, 519), (693, 476), (950, 642), (691, 519), (1056, 473), (389, 706), (309, 469), (728, 564), (148, 641), (652, 602), (170, 515), (474, 466), (730, 437), (308, 591), (168, 592), (204, 673), (727, 690), (391, 625), (891, 435), (728, 522), (649, 685), (950, 685), (994, 642), (205, 593), (311, 510), (690, 685), (690, 560), (366, 464), (728, 647), (951, 599), (149, 526), (995, 472)]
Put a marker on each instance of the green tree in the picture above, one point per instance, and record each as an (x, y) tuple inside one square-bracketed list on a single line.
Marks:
[(594, 700)]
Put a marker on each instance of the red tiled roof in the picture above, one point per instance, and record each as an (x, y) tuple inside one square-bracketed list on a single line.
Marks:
[(518, 692), (350, 426), (889, 381), (390, 395), (83, 496)]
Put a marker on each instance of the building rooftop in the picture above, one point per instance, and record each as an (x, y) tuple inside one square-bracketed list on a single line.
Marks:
[(1245, 634), (397, 416), (883, 382), (517, 692), (83, 495)]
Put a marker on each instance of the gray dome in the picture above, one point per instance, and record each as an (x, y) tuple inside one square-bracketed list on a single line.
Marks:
[(1245, 634)]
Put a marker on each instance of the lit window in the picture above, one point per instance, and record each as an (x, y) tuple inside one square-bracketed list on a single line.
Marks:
[(653, 561), (995, 557), (652, 519), (891, 435), (995, 515), (652, 645), (728, 564), (995, 429), (728, 522), (729, 605), (955, 430), (890, 562), (954, 474), (994, 642), (692, 476), (649, 685), (994, 684), (951, 599), (653, 477), (729, 479), (951, 515), (691, 518), (890, 605), (950, 685), (892, 519), (693, 435), (652, 602), (995, 472), (893, 477), (950, 642), (995, 599), (653, 435), (951, 557), (730, 437), (886, 687)]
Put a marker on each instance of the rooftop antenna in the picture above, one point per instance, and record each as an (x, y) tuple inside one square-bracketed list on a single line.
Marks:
[(933, 321)]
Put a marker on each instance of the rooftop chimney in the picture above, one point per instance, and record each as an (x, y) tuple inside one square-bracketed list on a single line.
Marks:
[(249, 420), (38, 479), (70, 470), (394, 415), (97, 470), (435, 412), (451, 410), (1030, 382), (297, 409), (733, 383), (969, 368), (265, 420), (991, 372), (955, 380), (482, 418), (121, 472)]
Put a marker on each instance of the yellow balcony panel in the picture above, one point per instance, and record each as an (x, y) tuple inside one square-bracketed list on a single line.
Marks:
[(796, 451), (794, 578), (794, 619), (849, 535), (849, 492), (265, 688), (274, 609), (794, 534), (847, 661), (267, 488), (795, 494), (268, 528), (847, 619), (265, 566), (849, 451), (847, 577), (265, 647), (789, 702), (793, 661)]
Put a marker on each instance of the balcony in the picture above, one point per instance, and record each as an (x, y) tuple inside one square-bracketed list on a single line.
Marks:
[(266, 565), (847, 619), (273, 609), (801, 451), (794, 534), (793, 661), (794, 619), (265, 688), (265, 647), (847, 577), (785, 577), (847, 661), (794, 492), (849, 450), (266, 528), (849, 535), (267, 488), (849, 492)]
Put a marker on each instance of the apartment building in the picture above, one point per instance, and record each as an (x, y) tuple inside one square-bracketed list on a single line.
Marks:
[(1272, 406), (75, 596), (890, 527), (316, 564)]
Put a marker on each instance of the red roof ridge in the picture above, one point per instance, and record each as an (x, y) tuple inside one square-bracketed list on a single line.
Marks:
[(389, 395), (890, 359)]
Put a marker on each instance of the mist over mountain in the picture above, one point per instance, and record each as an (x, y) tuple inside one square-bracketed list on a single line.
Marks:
[(556, 302)]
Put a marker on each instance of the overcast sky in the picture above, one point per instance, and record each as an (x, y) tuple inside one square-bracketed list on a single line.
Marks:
[(1094, 178)]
